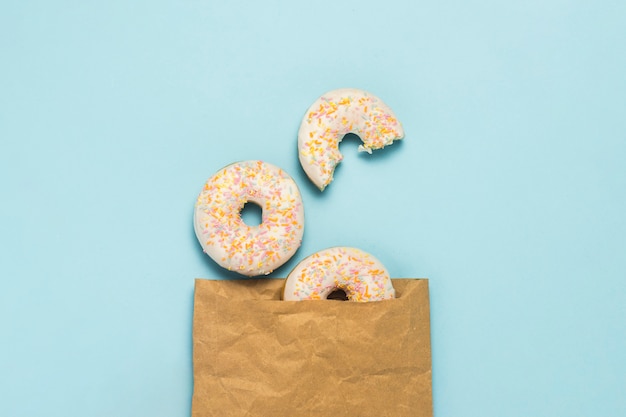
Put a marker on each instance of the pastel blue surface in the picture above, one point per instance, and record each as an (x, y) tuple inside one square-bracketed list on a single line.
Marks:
[(508, 192)]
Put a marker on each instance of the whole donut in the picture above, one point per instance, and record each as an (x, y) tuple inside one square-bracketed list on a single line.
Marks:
[(228, 240), (360, 275)]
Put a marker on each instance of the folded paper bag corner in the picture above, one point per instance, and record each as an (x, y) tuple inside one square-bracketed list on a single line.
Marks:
[(254, 355)]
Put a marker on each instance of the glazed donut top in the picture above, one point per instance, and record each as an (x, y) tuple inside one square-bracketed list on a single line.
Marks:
[(332, 116), (359, 274), (225, 237)]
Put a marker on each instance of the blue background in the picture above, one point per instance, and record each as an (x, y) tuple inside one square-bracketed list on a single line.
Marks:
[(508, 191)]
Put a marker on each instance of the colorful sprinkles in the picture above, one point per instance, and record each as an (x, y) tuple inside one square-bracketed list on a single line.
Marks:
[(228, 240), (359, 274), (334, 115)]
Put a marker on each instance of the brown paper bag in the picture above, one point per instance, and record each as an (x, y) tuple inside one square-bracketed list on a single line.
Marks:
[(255, 355)]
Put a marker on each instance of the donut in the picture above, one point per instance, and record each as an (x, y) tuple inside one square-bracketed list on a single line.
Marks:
[(228, 240), (334, 115), (360, 275)]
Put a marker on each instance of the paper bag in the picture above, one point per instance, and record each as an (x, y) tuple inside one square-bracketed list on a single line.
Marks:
[(255, 355)]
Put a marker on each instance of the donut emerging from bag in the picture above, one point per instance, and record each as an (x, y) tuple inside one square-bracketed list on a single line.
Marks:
[(360, 275), (228, 240), (330, 118)]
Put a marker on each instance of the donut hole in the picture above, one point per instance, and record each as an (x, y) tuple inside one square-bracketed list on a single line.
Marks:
[(251, 214), (337, 294)]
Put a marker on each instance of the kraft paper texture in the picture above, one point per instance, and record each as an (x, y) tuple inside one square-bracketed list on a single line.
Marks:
[(255, 355)]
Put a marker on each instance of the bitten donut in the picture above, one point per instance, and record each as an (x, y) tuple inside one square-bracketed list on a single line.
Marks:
[(228, 240), (360, 275), (334, 115)]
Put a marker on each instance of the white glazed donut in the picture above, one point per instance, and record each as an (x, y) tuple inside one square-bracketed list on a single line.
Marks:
[(228, 240), (360, 275), (334, 115)]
